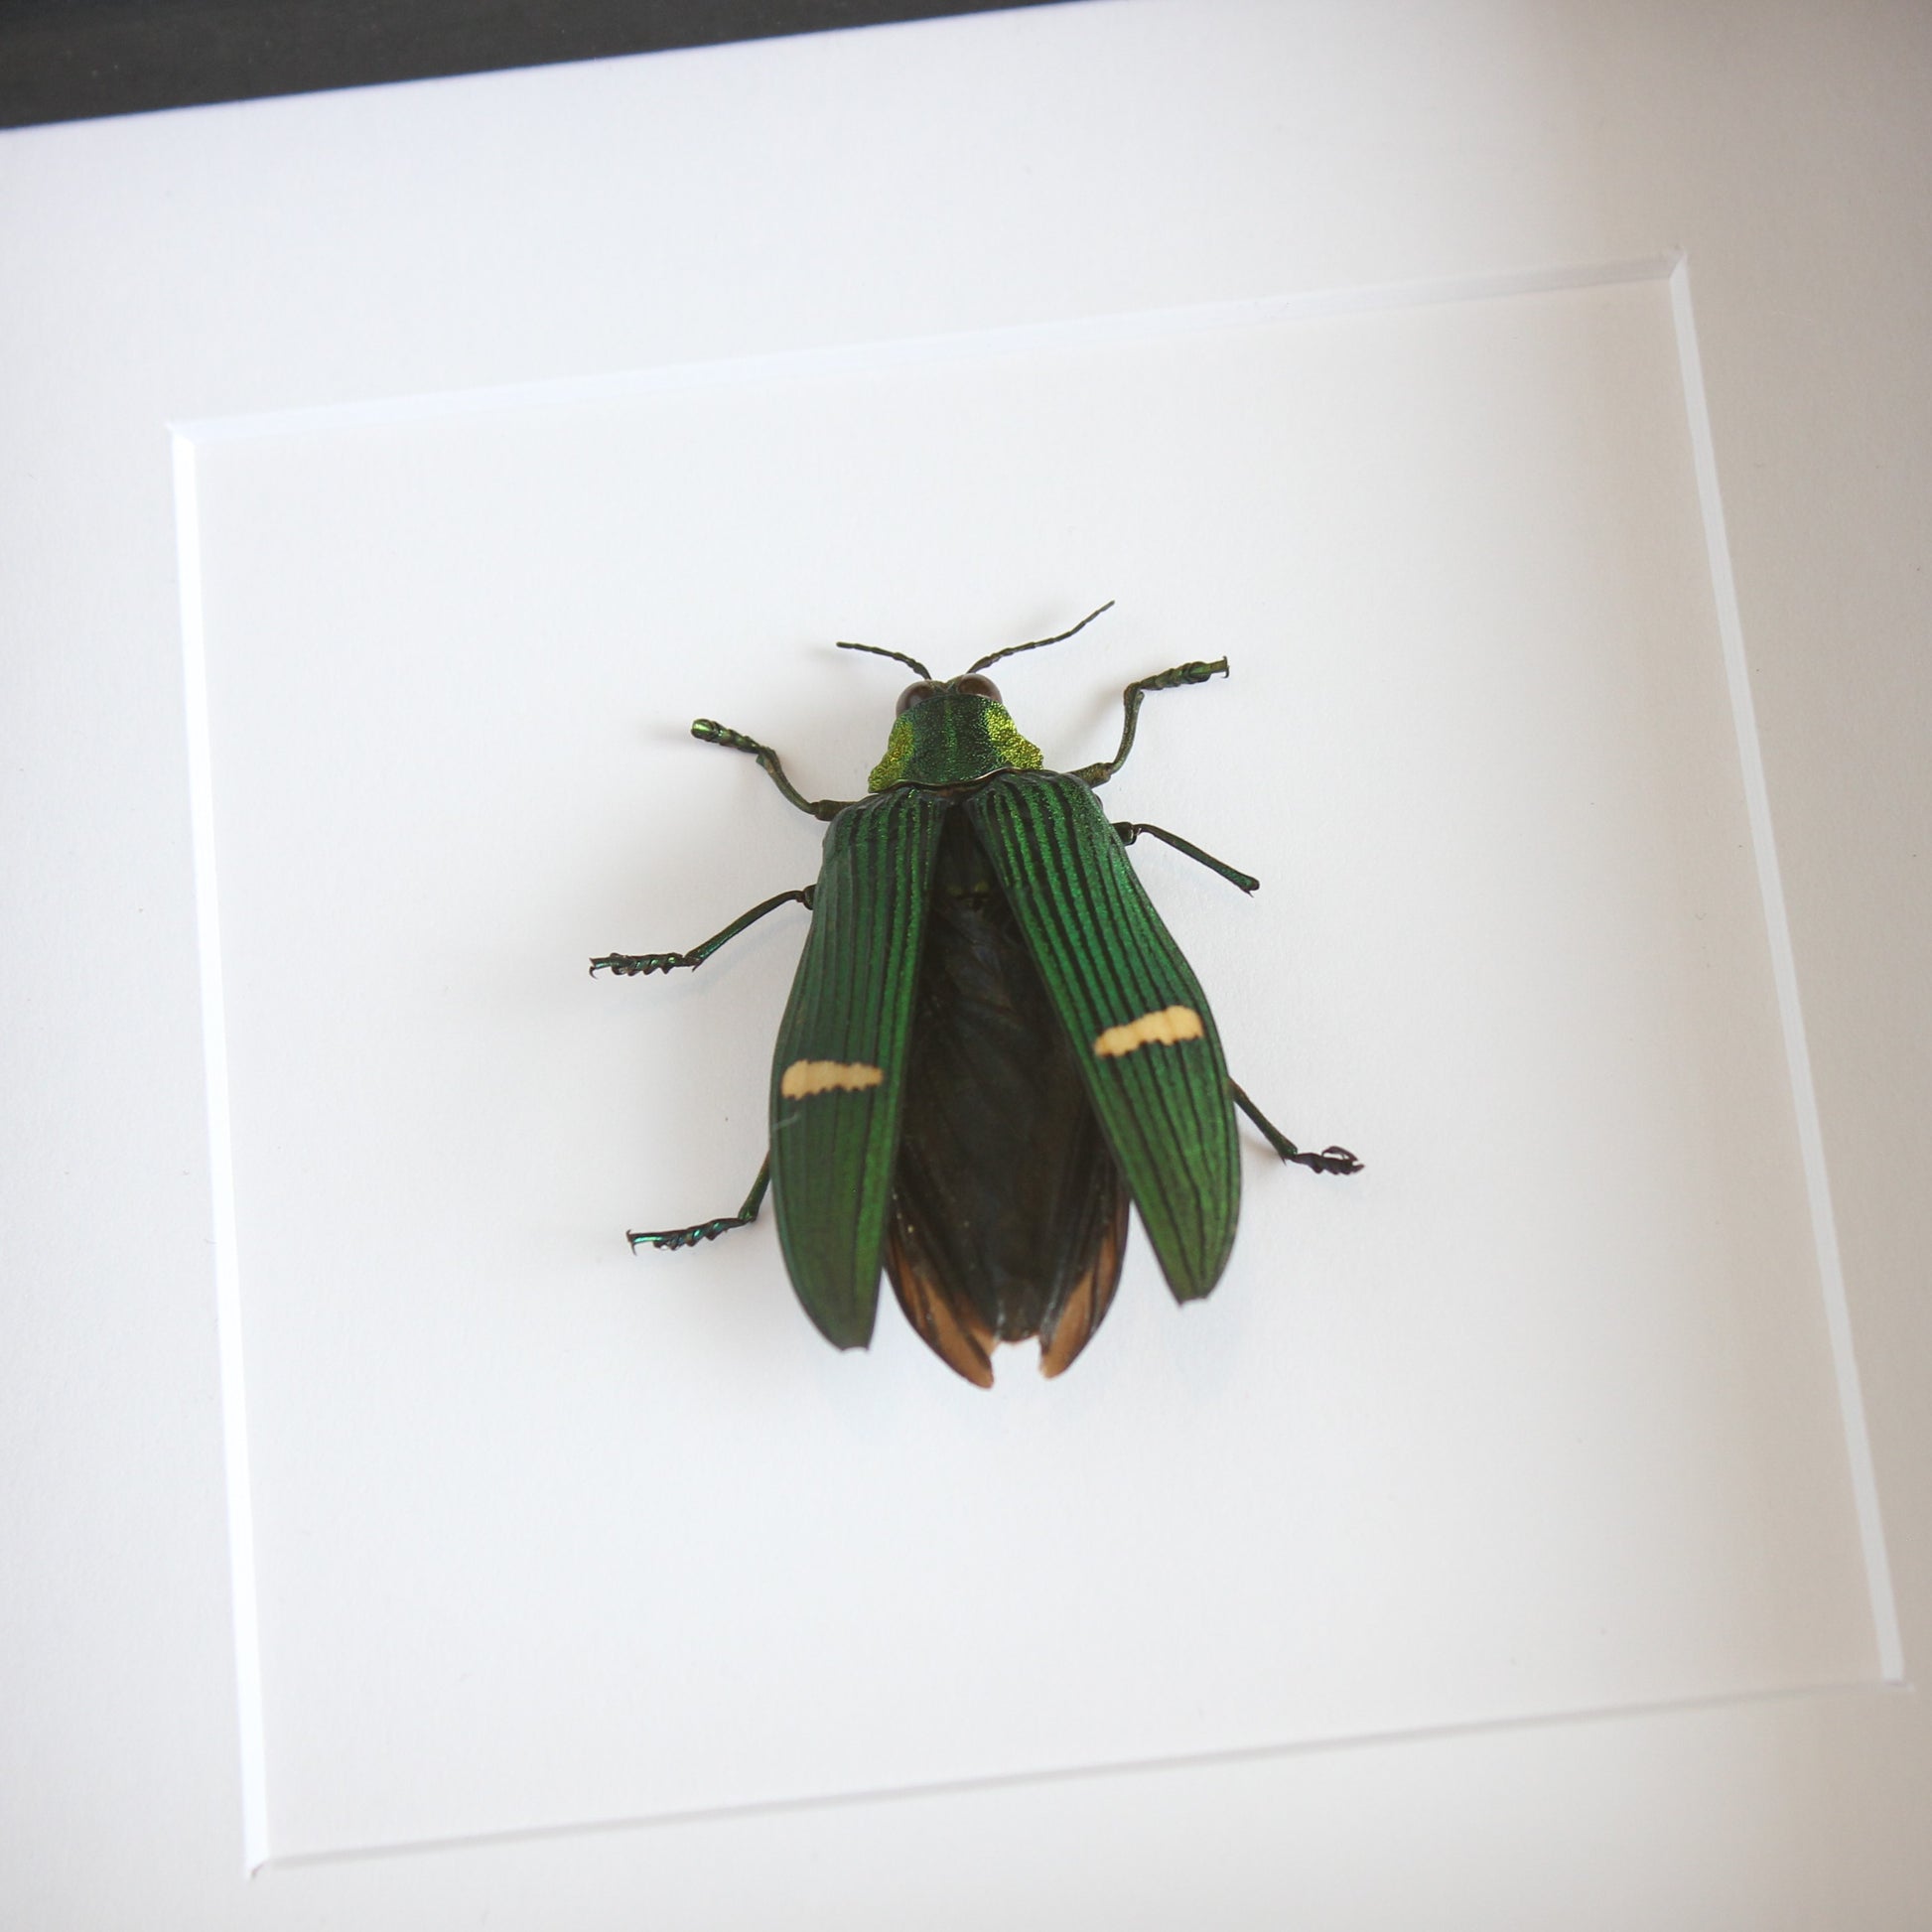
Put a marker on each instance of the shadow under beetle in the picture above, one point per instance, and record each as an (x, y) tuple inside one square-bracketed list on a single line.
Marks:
[(993, 1044)]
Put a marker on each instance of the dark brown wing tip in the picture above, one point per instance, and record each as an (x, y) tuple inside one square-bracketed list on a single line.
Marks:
[(980, 1374), (1091, 1296), (959, 1352), (960, 1344)]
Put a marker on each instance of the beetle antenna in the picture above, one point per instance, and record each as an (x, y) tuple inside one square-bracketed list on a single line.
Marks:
[(879, 651), (1060, 638)]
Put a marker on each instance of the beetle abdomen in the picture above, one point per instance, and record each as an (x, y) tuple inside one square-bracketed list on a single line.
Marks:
[(1008, 1215)]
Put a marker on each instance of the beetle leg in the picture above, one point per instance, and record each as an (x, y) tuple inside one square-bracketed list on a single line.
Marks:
[(1331, 1160), (710, 1230), (1133, 697), (1129, 833), (627, 964), (713, 733)]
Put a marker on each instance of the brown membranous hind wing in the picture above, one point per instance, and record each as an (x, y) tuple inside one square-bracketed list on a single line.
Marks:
[(1089, 1298), (954, 1333)]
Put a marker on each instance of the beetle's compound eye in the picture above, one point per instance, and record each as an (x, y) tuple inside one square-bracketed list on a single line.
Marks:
[(976, 686), (915, 694)]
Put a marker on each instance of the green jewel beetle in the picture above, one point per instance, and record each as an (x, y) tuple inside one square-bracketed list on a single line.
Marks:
[(992, 1046)]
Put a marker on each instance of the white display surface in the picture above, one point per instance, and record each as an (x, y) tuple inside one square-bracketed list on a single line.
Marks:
[(365, 1374), (1536, 1415)]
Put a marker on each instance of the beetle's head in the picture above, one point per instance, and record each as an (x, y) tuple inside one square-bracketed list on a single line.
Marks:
[(951, 731), (955, 730)]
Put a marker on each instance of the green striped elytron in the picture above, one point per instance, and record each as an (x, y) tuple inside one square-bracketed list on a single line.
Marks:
[(993, 1044)]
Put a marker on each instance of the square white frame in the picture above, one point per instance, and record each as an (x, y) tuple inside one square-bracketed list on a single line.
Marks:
[(1774, 1669)]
